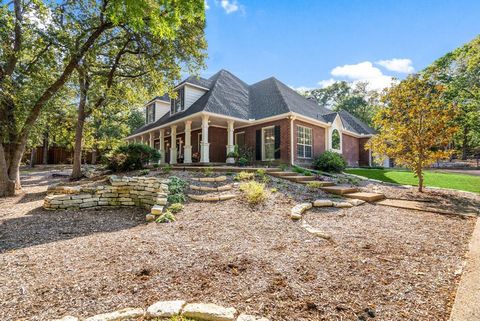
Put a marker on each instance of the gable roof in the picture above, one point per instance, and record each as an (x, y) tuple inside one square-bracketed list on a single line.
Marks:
[(229, 96)]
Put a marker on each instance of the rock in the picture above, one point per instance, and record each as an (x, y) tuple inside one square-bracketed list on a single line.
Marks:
[(209, 312), (342, 204), (128, 313), (150, 217), (165, 308), (355, 202), (322, 203), (156, 210), (297, 210), (67, 318), (248, 317)]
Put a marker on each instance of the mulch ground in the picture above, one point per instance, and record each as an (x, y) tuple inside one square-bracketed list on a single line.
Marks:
[(385, 262)]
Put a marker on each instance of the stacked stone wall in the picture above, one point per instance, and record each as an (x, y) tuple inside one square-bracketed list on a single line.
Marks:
[(122, 191)]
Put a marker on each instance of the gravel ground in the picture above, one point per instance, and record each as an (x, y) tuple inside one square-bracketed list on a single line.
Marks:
[(391, 263)]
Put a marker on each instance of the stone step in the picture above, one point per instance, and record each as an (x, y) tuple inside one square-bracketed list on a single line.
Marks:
[(299, 178), (366, 196), (209, 179), (320, 183), (211, 197), (211, 189), (282, 173), (339, 189)]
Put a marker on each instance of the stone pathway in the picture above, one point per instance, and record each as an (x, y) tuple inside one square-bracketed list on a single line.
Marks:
[(467, 300)]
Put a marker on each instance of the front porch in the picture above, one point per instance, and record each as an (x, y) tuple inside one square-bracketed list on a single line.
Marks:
[(198, 140)]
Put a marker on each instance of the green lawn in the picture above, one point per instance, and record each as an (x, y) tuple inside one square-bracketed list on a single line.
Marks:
[(434, 179)]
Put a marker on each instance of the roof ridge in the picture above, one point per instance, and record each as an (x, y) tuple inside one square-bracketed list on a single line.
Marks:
[(276, 81)]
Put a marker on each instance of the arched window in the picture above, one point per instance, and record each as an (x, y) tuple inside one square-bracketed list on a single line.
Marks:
[(335, 139)]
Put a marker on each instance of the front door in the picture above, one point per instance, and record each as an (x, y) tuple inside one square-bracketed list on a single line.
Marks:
[(268, 143)]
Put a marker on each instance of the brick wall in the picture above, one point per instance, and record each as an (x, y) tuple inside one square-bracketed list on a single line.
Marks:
[(284, 137), (350, 149), (318, 143)]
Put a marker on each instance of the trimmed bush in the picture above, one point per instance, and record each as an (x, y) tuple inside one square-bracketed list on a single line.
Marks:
[(330, 162), (254, 192), (131, 157), (175, 207), (244, 176)]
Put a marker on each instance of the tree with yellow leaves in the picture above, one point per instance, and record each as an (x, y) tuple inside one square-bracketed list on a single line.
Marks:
[(415, 125)]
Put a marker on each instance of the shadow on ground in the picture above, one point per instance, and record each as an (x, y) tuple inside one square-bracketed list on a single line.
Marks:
[(40, 226)]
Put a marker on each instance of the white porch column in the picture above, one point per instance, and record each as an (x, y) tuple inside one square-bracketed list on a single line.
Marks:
[(161, 149), (205, 146), (152, 138), (187, 149), (173, 145), (230, 145)]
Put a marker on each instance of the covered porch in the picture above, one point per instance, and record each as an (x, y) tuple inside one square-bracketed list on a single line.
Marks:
[(199, 139)]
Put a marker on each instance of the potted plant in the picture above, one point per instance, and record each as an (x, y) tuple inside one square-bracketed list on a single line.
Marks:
[(232, 157)]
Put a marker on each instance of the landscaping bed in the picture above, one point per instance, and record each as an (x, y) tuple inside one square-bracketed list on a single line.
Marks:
[(392, 263)]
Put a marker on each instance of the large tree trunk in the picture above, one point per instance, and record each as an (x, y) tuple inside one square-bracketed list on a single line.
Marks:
[(77, 153), (465, 143), (7, 185)]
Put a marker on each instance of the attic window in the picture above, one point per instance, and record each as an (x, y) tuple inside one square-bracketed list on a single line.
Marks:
[(335, 139), (150, 113), (178, 104)]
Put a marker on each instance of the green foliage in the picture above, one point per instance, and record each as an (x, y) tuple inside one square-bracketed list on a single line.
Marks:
[(254, 192), (175, 207), (176, 198), (176, 186), (335, 139), (243, 176), (242, 161), (167, 169), (130, 157), (166, 217), (156, 165), (273, 190), (314, 185), (284, 167), (262, 175), (208, 171), (144, 172), (330, 162)]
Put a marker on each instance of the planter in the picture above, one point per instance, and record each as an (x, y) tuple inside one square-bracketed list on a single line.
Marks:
[(230, 160)]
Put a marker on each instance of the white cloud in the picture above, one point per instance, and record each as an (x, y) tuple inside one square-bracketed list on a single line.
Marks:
[(364, 71), (302, 88), (230, 6), (206, 5), (398, 65)]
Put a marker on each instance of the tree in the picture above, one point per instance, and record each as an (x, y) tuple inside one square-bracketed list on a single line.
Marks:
[(355, 99), (459, 71), (43, 44), (415, 125)]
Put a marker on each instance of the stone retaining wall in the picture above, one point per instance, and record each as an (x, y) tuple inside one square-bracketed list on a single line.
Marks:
[(122, 191)]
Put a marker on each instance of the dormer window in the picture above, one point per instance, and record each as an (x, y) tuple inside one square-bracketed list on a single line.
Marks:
[(178, 104), (150, 113)]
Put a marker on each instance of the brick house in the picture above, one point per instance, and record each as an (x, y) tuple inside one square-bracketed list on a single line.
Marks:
[(268, 119)]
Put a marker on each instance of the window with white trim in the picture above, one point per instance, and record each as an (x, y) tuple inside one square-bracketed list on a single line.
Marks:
[(304, 142), (178, 104), (150, 113)]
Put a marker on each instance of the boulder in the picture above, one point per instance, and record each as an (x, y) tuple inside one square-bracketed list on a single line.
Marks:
[(356, 202), (156, 210), (342, 204), (165, 308), (299, 209), (322, 203), (128, 313), (150, 217), (209, 312)]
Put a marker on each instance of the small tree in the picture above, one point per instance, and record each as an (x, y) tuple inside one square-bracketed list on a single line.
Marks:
[(415, 125)]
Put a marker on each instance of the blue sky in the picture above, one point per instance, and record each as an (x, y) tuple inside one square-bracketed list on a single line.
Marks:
[(312, 43)]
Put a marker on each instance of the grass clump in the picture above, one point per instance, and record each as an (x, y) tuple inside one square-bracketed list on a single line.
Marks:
[(144, 172), (244, 176), (166, 217), (284, 167), (314, 185), (167, 169), (208, 171), (254, 192), (175, 207)]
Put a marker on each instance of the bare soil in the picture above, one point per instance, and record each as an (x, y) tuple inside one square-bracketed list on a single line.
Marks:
[(391, 263)]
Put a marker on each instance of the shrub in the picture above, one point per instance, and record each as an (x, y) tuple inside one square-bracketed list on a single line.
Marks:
[(254, 192), (314, 185), (166, 217), (167, 169), (283, 167), (242, 161), (330, 162), (244, 176), (262, 174), (176, 198), (208, 171), (176, 185), (156, 165), (144, 172), (273, 190), (175, 207), (130, 157)]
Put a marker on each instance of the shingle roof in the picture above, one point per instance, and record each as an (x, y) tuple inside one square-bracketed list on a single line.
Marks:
[(230, 96), (165, 97), (354, 124)]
